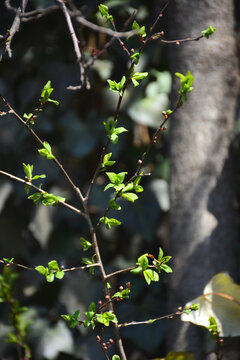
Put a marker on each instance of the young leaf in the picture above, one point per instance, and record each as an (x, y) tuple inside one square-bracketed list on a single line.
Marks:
[(72, 320), (41, 269), (106, 161), (46, 92), (208, 32), (141, 30), (85, 244), (116, 357), (129, 196), (50, 199), (186, 84), (47, 151), (117, 87), (143, 261), (113, 204), (138, 76), (108, 222), (150, 275), (36, 197), (106, 318), (103, 9), (28, 169), (137, 270)]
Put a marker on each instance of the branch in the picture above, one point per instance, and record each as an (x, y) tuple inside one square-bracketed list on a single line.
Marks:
[(15, 25), (60, 166), (65, 270), (79, 212), (150, 321), (76, 43), (177, 42)]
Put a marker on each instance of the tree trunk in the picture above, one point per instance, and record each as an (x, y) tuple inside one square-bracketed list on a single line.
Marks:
[(203, 231)]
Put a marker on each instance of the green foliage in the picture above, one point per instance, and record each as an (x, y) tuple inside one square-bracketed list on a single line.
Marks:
[(208, 32), (45, 94), (28, 169), (46, 198), (109, 222), (103, 9), (123, 293), (213, 328), (188, 309), (106, 318), (88, 261), (47, 151), (7, 280), (112, 131), (186, 84), (51, 271), (138, 76), (72, 320), (85, 244), (159, 264), (106, 161), (141, 31), (116, 357), (117, 87)]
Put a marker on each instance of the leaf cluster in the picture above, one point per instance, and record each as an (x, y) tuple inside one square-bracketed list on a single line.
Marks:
[(51, 272)]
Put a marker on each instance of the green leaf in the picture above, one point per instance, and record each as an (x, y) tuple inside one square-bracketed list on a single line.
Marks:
[(137, 270), (116, 357), (117, 87), (47, 151), (135, 57), (106, 318), (141, 30), (186, 84), (108, 222), (59, 274), (150, 275), (143, 261), (129, 196), (119, 130), (85, 244), (41, 269), (166, 268), (28, 169), (208, 32), (50, 199), (160, 254), (138, 76), (36, 197), (169, 112), (116, 178), (103, 9), (106, 162), (72, 320), (113, 204), (213, 328), (50, 277), (46, 92)]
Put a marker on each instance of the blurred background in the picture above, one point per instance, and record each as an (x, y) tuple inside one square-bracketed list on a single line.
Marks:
[(41, 51)]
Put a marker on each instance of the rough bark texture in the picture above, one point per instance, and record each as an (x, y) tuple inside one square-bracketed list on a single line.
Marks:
[(203, 232)]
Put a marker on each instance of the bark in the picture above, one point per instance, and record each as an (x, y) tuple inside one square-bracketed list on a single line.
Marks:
[(203, 231)]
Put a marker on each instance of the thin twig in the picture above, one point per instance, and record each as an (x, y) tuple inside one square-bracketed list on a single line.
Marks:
[(79, 212), (76, 46), (15, 25), (150, 321), (65, 270), (181, 40)]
